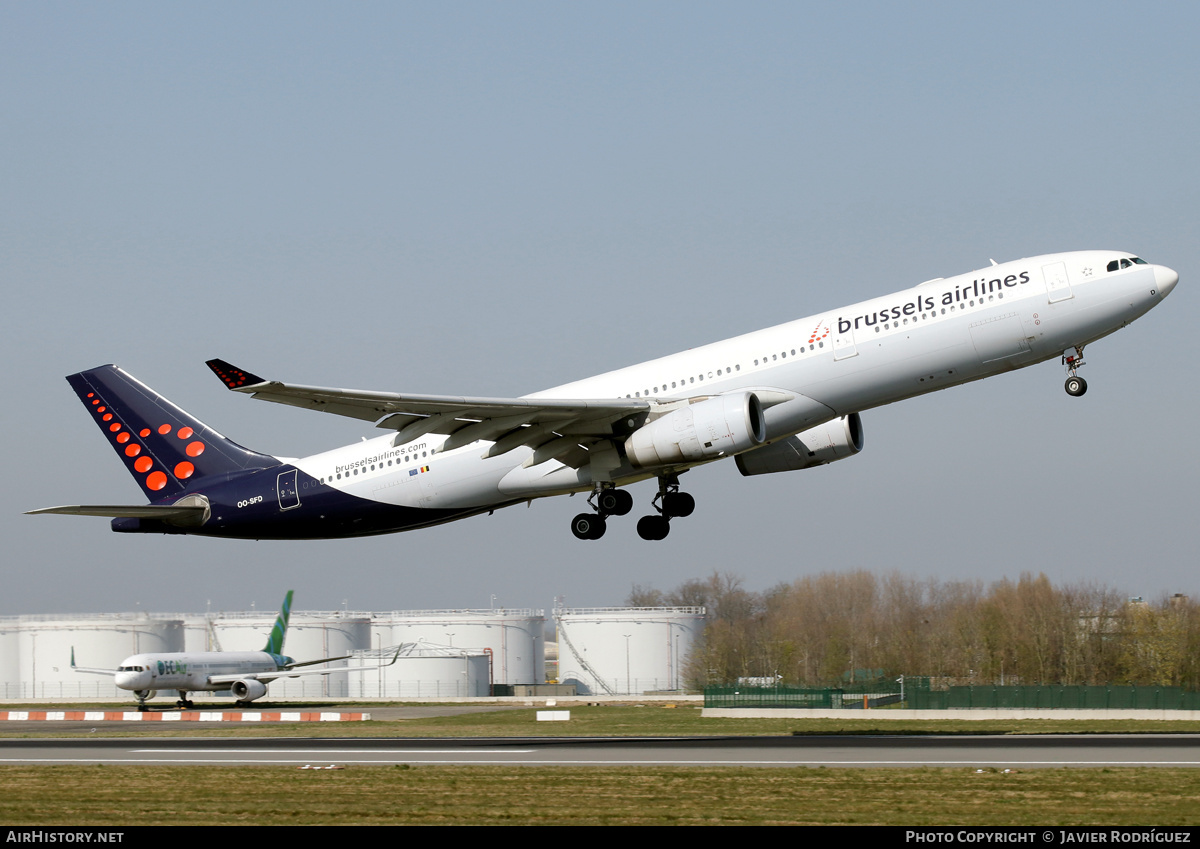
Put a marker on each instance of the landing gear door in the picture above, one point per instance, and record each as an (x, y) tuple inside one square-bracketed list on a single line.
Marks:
[(1058, 286), (286, 486)]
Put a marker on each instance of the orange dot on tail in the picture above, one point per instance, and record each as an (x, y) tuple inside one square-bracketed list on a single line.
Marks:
[(184, 470), (164, 429), (143, 464), (133, 450), (107, 417), (101, 409), (195, 449), (156, 480), (144, 432), (185, 433), (123, 437), (90, 394), (114, 427)]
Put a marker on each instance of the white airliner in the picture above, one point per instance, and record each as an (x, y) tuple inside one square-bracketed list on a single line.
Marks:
[(246, 674), (777, 400)]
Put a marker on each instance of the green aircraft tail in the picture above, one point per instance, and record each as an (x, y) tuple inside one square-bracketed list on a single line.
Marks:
[(279, 631)]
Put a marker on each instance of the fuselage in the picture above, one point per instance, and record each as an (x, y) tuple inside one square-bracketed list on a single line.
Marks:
[(938, 334), (192, 671)]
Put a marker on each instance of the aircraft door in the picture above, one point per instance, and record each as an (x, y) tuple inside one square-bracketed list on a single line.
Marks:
[(843, 345), (285, 485), (1058, 285)]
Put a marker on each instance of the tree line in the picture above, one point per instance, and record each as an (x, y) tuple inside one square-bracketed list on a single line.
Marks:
[(832, 628)]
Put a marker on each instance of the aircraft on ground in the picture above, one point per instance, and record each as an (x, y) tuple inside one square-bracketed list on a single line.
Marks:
[(781, 399), (246, 674)]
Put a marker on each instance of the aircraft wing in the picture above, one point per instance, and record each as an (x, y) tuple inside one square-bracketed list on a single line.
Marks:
[(89, 669), (556, 425), (289, 671)]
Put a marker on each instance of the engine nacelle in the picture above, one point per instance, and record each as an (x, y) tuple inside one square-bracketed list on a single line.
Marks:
[(145, 695), (834, 440), (704, 430), (248, 689)]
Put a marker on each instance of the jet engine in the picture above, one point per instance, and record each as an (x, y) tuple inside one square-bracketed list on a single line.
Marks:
[(703, 430), (834, 440), (248, 689), (145, 695)]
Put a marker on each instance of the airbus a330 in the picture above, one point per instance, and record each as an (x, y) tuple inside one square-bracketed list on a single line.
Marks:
[(777, 400)]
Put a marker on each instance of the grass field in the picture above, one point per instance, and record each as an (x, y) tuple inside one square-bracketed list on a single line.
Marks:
[(469, 795)]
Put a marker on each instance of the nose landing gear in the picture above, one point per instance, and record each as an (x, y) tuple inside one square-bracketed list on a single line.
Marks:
[(1073, 358)]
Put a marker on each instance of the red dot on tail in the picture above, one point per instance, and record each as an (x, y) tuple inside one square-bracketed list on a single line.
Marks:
[(195, 449), (156, 480), (184, 470), (164, 429), (133, 450), (185, 433), (143, 464)]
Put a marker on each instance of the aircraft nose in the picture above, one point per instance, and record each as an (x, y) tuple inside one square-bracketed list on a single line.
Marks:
[(1166, 279)]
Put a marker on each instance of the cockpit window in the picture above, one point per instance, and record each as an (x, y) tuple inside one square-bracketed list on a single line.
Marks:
[(1126, 263)]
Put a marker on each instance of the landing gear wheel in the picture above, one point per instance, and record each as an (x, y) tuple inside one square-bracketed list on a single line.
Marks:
[(588, 526), (615, 502), (1076, 386), (143, 708), (678, 504), (653, 527)]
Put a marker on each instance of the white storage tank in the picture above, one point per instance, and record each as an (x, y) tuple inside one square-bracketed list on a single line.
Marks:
[(100, 641), (513, 637), (10, 658), (426, 671), (625, 650)]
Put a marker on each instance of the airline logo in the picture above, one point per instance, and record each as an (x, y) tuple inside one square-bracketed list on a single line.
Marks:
[(977, 289), (138, 453)]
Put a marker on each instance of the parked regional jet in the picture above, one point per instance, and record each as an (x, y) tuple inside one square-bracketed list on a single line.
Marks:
[(246, 674), (777, 400)]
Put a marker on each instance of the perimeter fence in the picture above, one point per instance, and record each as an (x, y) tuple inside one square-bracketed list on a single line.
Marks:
[(918, 694)]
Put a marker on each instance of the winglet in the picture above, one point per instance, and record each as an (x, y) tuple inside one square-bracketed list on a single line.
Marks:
[(275, 641), (232, 376)]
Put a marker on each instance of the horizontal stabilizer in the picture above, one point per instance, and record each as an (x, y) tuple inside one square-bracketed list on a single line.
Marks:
[(178, 515)]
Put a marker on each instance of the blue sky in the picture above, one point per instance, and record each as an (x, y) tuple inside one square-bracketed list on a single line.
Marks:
[(491, 199)]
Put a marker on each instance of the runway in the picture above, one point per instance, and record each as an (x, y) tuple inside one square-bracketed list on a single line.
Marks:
[(981, 752)]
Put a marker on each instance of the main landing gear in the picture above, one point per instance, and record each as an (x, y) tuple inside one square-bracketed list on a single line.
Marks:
[(606, 501), (1073, 358), (670, 503), (183, 701)]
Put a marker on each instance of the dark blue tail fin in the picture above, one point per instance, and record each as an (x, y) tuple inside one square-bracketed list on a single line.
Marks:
[(164, 448)]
